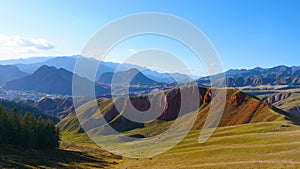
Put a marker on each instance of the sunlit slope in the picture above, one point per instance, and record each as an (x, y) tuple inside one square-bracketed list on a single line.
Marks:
[(255, 145)]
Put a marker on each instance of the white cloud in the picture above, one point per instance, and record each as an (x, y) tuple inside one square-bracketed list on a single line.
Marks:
[(37, 43), (132, 51), (17, 46)]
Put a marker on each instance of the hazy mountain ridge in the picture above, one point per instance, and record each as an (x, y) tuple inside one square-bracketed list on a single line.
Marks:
[(9, 72), (50, 80), (30, 65), (279, 75), (123, 77)]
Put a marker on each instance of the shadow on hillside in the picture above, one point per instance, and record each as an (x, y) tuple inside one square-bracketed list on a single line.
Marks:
[(51, 159), (289, 116)]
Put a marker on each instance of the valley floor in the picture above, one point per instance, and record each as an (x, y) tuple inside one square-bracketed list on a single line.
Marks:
[(259, 145)]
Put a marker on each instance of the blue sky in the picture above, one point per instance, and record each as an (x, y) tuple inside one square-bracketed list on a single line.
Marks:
[(246, 34)]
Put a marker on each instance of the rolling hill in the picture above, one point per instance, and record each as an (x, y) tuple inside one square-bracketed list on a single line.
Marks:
[(56, 107), (248, 126), (240, 108), (256, 145)]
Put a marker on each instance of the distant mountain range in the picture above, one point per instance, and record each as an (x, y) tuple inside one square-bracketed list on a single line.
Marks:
[(9, 72), (50, 80), (30, 65), (132, 76), (54, 76), (280, 75), (29, 60)]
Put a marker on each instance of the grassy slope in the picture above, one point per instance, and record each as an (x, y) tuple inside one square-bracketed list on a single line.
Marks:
[(258, 145), (229, 145), (264, 144)]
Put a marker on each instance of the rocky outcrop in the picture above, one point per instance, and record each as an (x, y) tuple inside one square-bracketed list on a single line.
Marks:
[(238, 98)]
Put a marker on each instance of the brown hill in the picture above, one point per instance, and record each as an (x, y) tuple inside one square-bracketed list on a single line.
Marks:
[(240, 108)]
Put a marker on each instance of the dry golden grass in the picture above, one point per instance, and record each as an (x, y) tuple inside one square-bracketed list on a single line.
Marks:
[(259, 145)]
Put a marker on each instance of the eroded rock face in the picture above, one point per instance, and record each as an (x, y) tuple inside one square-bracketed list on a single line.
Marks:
[(170, 105), (276, 97), (172, 108), (140, 103), (176, 106), (205, 96), (166, 106), (238, 98)]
